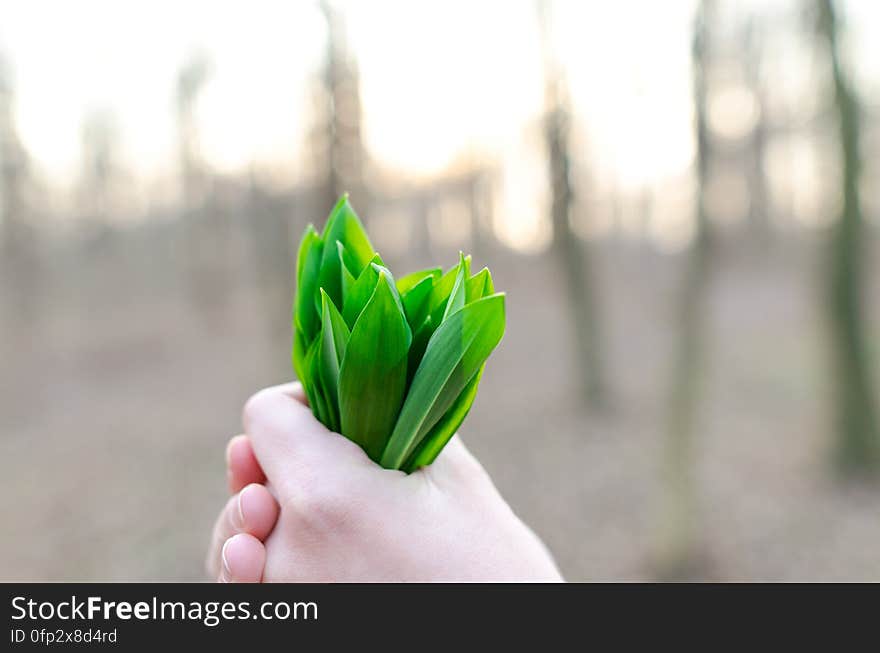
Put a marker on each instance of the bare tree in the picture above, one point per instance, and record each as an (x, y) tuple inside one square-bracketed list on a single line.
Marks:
[(17, 234), (858, 439), (191, 80), (206, 238), (269, 233), (338, 132), (759, 218), (12, 163), (678, 554), (100, 165), (569, 250)]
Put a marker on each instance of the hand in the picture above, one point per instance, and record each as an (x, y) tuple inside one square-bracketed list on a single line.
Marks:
[(237, 553), (344, 518)]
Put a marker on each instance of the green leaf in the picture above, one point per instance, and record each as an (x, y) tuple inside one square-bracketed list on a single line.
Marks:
[(344, 226), (339, 330), (393, 366), (310, 237), (438, 301), (348, 268), (372, 378), (360, 293), (414, 278), (443, 288), (313, 386), (349, 262), (300, 348), (456, 299), (415, 301), (455, 353), (308, 266), (334, 337), (421, 337), (434, 441), (326, 411), (480, 285)]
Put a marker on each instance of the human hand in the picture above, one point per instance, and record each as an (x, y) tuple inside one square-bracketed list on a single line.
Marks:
[(344, 518)]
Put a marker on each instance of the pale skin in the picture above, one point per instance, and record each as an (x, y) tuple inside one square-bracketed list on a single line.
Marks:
[(308, 505)]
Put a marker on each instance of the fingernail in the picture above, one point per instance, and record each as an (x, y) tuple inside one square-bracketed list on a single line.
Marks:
[(225, 574), (240, 511)]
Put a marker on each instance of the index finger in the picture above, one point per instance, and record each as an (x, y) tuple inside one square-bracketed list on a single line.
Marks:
[(290, 443)]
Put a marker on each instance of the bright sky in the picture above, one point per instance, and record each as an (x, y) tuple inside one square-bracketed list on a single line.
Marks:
[(440, 79), (70, 58)]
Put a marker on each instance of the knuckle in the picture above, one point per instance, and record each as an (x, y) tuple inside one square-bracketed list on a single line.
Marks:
[(322, 507), (468, 468), (473, 472), (256, 407)]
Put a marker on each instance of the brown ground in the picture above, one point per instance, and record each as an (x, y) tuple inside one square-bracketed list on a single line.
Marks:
[(118, 397)]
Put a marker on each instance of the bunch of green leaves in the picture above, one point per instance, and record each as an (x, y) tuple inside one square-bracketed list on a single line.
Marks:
[(392, 365)]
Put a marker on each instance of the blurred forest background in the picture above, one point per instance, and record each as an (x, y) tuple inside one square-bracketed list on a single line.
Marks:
[(680, 198)]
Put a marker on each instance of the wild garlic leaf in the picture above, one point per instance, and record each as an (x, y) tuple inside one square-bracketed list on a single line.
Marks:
[(443, 289), (479, 286), (414, 278), (344, 226), (421, 337), (434, 441), (311, 252), (349, 269), (455, 353), (309, 238), (415, 301), (360, 293), (456, 299), (300, 349), (394, 366), (372, 378), (334, 338), (315, 388)]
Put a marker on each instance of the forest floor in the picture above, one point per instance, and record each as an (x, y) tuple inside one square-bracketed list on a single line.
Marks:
[(118, 397)]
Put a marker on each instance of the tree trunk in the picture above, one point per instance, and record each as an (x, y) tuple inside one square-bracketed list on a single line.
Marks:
[(759, 206), (857, 445), (574, 264), (678, 553), (573, 259)]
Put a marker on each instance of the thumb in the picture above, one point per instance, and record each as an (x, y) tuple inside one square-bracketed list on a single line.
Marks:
[(292, 446)]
